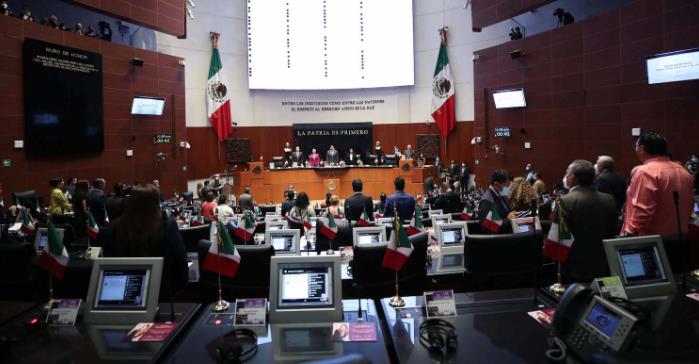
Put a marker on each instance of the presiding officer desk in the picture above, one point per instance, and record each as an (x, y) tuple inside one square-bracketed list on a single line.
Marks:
[(270, 184)]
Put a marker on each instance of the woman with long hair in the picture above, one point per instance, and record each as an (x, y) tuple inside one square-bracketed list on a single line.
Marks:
[(522, 195)]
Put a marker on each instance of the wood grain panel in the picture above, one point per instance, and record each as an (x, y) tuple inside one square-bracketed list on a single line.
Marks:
[(121, 130), (167, 16)]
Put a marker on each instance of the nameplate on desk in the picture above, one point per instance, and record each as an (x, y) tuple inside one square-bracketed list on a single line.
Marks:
[(63, 312), (151, 332), (251, 311), (440, 304), (93, 252), (354, 331), (694, 296)]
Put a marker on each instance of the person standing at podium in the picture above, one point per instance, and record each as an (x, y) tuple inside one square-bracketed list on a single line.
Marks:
[(314, 158), (296, 156), (409, 152), (332, 157)]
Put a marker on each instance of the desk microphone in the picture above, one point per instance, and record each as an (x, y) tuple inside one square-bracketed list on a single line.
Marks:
[(676, 200)]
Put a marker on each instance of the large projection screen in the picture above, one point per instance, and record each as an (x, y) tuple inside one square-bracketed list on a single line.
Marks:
[(329, 44)]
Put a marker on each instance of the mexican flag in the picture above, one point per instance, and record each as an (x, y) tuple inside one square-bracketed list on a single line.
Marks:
[(416, 223), (91, 229), (307, 222), (295, 216), (246, 226), (197, 220), (329, 227), (493, 221), (560, 240), (364, 220), (223, 257), (399, 247), (55, 259), (218, 106), (443, 85), (467, 214), (27, 223)]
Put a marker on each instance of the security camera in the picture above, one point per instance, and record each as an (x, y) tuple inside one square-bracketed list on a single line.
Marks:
[(191, 3), (182, 63), (476, 57)]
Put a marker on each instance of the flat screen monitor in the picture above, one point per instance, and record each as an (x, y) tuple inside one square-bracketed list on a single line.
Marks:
[(435, 212), (41, 239), (368, 235), (642, 265), (123, 290), (284, 241), (305, 289), (674, 66), (507, 99), (385, 221), (451, 234), (526, 225), (451, 260), (303, 342), (275, 225), (144, 105), (440, 219)]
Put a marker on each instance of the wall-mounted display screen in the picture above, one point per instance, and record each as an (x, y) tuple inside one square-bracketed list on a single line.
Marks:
[(673, 66), (143, 105), (507, 99)]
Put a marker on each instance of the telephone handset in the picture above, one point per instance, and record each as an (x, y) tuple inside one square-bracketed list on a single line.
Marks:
[(591, 325)]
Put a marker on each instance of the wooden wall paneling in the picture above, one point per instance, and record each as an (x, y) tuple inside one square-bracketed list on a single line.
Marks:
[(160, 76)]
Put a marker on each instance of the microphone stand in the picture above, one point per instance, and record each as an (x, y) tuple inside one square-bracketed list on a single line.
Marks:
[(676, 199)]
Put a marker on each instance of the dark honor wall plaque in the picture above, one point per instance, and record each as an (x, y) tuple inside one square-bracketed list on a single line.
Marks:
[(342, 135), (63, 100), (427, 144), (238, 151)]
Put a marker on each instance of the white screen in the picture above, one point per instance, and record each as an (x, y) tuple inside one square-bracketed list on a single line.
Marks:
[(305, 287), (147, 106), (508, 99), (367, 239), (673, 67), (279, 242), (330, 44)]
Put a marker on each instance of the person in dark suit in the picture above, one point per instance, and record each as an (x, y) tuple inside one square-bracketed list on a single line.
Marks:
[(450, 200), (116, 202), (356, 204), (245, 200), (609, 182), (403, 202), (332, 157), (409, 152), (464, 177), (453, 170), (428, 185), (289, 203), (353, 158), (591, 217), (97, 200), (496, 196), (297, 156), (144, 230)]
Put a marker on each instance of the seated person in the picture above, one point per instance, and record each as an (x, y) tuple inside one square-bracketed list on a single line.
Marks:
[(208, 206), (332, 157), (143, 230), (314, 159)]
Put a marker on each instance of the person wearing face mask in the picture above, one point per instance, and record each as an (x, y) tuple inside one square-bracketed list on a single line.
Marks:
[(591, 217), (530, 173), (497, 196)]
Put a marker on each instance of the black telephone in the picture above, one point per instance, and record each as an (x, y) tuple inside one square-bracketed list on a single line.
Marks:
[(592, 326)]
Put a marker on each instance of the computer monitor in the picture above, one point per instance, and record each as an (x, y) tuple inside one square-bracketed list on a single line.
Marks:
[(42, 238), (642, 265), (368, 235), (273, 216), (435, 212), (451, 234), (123, 290), (390, 160), (304, 342), (275, 225), (440, 219), (526, 225), (385, 221), (284, 241), (305, 289), (451, 260)]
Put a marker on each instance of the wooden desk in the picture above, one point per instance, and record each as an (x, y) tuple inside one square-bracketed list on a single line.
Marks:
[(316, 182)]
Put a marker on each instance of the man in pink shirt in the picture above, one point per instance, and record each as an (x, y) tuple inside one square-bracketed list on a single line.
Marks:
[(650, 204), (314, 159)]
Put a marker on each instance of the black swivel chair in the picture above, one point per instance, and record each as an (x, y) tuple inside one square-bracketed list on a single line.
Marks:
[(251, 280), (192, 235), (265, 209), (474, 227), (260, 227), (29, 199), (372, 280), (489, 258), (343, 237), (188, 196), (296, 226)]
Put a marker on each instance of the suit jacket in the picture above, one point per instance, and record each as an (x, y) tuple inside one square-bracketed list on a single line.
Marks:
[(454, 169), (591, 216), (314, 160), (502, 206), (356, 204), (464, 175), (405, 204), (287, 205), (245, 202), (332, 156), (297, 157), (428, 185), (611, 183), (449, 202), (409, 153), (352, 159), (97, 203)]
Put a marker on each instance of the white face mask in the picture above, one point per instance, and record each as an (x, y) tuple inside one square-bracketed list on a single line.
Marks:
[(565, 182), (505, 191)]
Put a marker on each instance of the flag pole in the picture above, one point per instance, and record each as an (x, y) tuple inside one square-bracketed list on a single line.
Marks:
[(558, 288), (397, 300), (48, 245), (221, 305)]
